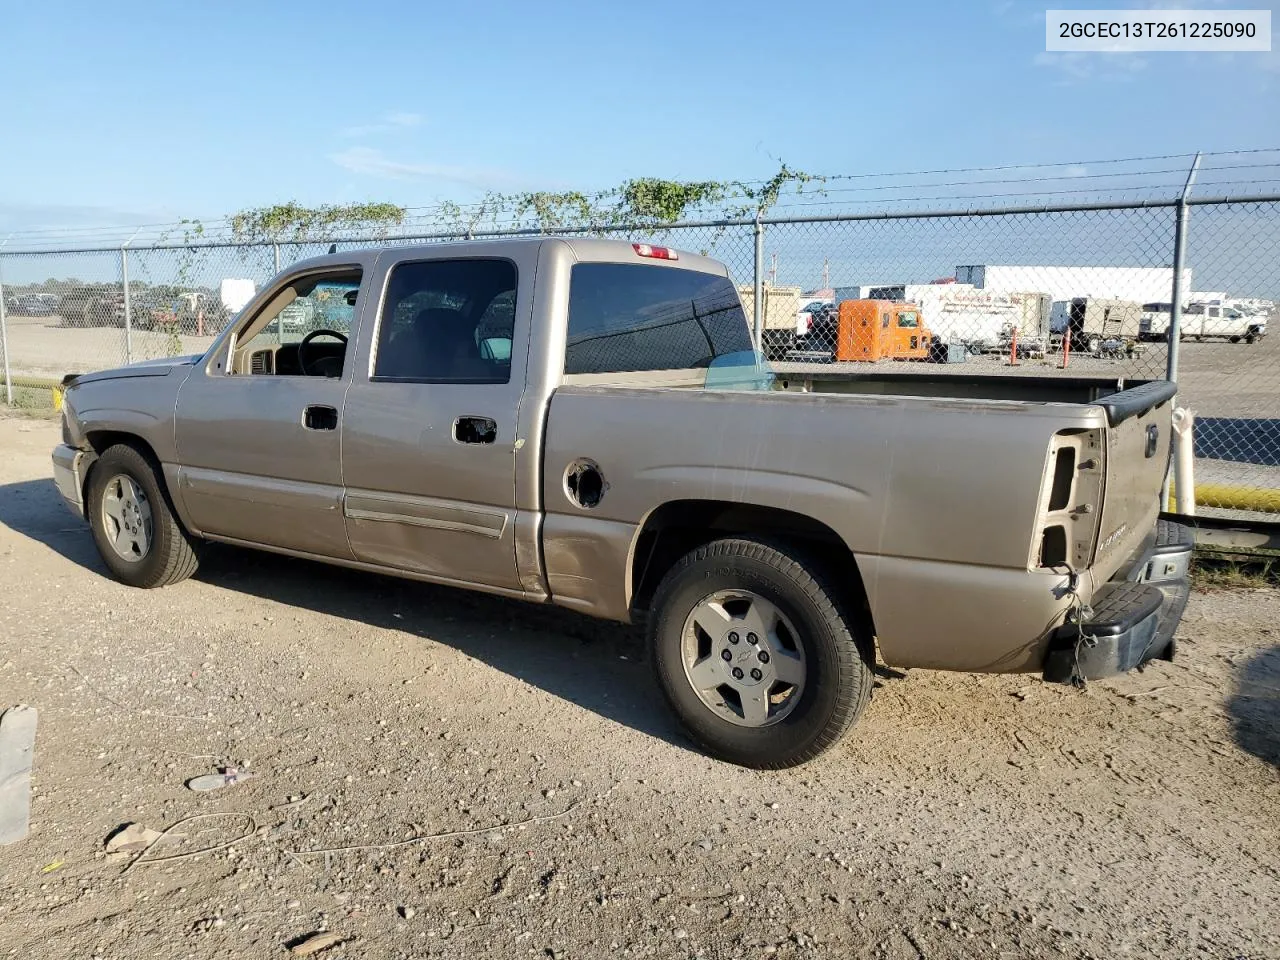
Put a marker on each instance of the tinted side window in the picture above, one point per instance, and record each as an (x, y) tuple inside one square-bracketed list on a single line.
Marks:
[(448, 321), (628, 317)]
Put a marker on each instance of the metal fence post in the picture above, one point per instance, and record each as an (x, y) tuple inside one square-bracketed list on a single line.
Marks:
[(1179, 258), (4, 336), (757, 310), (1175, 302), (275, 252), (128, 318)]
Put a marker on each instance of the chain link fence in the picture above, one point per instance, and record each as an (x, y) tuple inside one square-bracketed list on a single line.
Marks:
[(1082, 290), (1229, 365)]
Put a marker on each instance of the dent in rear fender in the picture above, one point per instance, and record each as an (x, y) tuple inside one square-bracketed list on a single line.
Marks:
[(953, 616), (588, 563), (755, 485)]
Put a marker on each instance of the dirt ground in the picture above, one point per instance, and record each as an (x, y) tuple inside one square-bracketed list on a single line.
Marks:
[(964, 816)]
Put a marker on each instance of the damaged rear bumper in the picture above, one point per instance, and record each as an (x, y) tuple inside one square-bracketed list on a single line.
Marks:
[(1132, 619)]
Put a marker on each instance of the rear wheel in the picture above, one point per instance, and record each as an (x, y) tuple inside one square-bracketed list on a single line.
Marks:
[(133, 525), (754, 655)]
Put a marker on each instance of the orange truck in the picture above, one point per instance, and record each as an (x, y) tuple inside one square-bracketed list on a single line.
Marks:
[(880, 330)]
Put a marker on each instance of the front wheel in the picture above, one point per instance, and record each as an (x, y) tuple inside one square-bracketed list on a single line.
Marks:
[(134, 528), (755, 656)]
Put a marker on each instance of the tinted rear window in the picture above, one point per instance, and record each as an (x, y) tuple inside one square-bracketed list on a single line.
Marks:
[(626, 317)]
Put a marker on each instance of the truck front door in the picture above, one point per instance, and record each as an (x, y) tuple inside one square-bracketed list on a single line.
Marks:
[(428, 432), (257, 427)]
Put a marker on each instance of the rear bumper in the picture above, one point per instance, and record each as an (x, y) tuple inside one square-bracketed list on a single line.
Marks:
[(69, 469), (1132, 618)]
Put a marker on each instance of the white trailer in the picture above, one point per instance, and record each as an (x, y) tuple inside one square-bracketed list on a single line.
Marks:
[(1063, 284), (962, 313)]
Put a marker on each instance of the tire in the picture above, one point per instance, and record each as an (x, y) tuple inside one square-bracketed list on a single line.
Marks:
[(834, 661), (1235, 339), (170, 554), (1250, 338)]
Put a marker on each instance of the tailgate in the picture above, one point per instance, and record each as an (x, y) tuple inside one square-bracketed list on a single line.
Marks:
[(1139, 438)]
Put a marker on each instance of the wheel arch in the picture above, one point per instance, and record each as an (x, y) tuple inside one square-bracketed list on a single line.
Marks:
[(678, 526), (102, 440)]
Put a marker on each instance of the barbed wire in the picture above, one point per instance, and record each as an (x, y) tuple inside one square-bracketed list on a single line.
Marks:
[(498, 212)]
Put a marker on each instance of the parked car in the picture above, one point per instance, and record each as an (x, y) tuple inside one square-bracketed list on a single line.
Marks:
[(193, 313), (583, 422), (35, 305)]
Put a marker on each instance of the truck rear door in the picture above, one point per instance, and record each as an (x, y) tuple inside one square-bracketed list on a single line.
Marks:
[(1138, 441), (428, 432)]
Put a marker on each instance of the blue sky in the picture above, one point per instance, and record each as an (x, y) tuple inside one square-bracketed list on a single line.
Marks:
[(138, 112)]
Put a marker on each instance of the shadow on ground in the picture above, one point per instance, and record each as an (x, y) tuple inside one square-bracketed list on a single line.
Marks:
[(597, 665), (34, 509), (1255, 706)]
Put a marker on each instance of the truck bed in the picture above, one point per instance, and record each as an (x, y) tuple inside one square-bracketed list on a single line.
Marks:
[(1035, 389)]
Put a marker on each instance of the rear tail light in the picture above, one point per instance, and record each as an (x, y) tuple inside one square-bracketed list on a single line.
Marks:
[(656, 253), (1069, 498)]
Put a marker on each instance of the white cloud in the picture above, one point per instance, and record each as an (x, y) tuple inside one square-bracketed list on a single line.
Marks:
[(1078, 67), (392, 121), (374, 163), (404, 119)]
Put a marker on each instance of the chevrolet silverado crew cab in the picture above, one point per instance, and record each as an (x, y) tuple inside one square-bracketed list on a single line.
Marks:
[(584, 422)]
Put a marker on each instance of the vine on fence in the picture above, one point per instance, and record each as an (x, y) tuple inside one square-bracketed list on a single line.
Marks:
[(294, 222), (646, 202), (650, 204)]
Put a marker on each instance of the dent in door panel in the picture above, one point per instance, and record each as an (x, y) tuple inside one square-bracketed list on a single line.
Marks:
[(426, 512), (443, 538), (265, 510)]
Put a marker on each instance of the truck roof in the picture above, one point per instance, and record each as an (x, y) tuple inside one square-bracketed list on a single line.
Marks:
[(583, 249)]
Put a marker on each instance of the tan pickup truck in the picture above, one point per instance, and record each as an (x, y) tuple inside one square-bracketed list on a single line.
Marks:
[(583, 422)]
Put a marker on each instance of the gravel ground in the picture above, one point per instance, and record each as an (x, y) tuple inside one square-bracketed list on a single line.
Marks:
[(964, 817)]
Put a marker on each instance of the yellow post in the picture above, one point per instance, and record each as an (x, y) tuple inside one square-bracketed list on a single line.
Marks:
[(1224, 497)]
